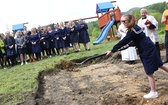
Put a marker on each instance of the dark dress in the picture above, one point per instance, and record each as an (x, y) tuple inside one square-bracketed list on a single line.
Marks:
[(9, 42), (35, 48), (57, 38), (83, 33), (51, 39), (46, 40), (67, 41), (62, 35), (73, 34), (146, 48), (28, 43)]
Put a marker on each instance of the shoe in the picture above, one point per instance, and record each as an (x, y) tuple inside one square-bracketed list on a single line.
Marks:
[(22, 63), (151, 95), (26, 63), (31, 60), (132, 62), (77, 51)]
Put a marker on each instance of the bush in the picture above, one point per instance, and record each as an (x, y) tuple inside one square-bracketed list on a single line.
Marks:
[(161, 31)]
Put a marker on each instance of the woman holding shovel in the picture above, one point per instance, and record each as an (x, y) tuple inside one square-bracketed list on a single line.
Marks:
[(146, 49)]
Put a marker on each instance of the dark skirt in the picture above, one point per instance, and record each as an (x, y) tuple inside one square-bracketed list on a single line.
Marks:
[(74, 38), (84, 38), (36, 48), (11, 52), (28, 48), (22, 50), (52, 44), (60, 43), (46, 45), (152, 61), (67, 41)]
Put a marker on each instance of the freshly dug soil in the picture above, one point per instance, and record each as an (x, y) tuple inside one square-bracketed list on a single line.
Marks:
[(109, 82)]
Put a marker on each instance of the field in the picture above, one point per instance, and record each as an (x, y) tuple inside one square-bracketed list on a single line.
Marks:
[(104, 82)]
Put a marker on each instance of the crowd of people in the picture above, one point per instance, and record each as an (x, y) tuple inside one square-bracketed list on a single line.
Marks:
[(42, 41)]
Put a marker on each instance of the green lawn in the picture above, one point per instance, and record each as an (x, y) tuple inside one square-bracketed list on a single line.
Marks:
[(20, 81)]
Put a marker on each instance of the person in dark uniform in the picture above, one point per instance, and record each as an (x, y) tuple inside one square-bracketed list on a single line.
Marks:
[(57, 33), (83, 34), (35, 43), (28, 45), (10, 49), (146, 48), (66, 39), (63, 37), (45, 44), (74, 37), (51, 40)]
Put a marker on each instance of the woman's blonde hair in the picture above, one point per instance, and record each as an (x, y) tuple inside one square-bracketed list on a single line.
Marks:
[(131, 21)]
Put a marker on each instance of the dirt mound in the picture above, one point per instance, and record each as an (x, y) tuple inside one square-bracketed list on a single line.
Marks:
[(65, 65)]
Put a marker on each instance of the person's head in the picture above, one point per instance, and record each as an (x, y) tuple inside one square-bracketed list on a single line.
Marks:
[(49, 28), (71, 24), (33, 30), (44, 30), (24, 32), (143, 12), (61, 24), (2, 36), (56, 26), (128, 21), (18, 33), (80, 21), (25, 28), (38, 27), (7, 33)]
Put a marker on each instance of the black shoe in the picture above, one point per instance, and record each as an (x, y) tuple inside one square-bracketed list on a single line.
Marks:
[(132, 62)]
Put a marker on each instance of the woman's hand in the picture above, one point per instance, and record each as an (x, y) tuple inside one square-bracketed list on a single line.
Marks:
[(108, 53)]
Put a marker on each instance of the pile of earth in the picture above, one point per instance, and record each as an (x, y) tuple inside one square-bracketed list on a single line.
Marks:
[(106, 81)]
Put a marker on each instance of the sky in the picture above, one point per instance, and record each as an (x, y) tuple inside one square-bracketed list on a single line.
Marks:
[(44, 12)]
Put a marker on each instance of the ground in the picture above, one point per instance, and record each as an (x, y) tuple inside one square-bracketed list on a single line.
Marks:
[(108, 82)]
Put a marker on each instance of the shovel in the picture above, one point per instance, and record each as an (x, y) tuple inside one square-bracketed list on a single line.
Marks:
[(100, 55)]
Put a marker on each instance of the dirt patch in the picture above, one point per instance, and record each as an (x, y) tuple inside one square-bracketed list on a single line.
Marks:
[(110, 82)]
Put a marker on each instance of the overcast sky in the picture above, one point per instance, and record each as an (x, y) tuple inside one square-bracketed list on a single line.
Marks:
[(43, 12)]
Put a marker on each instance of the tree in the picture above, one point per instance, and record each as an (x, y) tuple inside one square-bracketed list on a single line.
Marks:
[(95, 32)]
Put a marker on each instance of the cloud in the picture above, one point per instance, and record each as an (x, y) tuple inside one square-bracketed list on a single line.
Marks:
[(42, 12)]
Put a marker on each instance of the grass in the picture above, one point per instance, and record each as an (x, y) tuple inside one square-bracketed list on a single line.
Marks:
[(21, 81), (161, 38)]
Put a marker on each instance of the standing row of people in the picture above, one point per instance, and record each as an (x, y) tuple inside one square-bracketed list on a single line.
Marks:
[(44, 41)]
